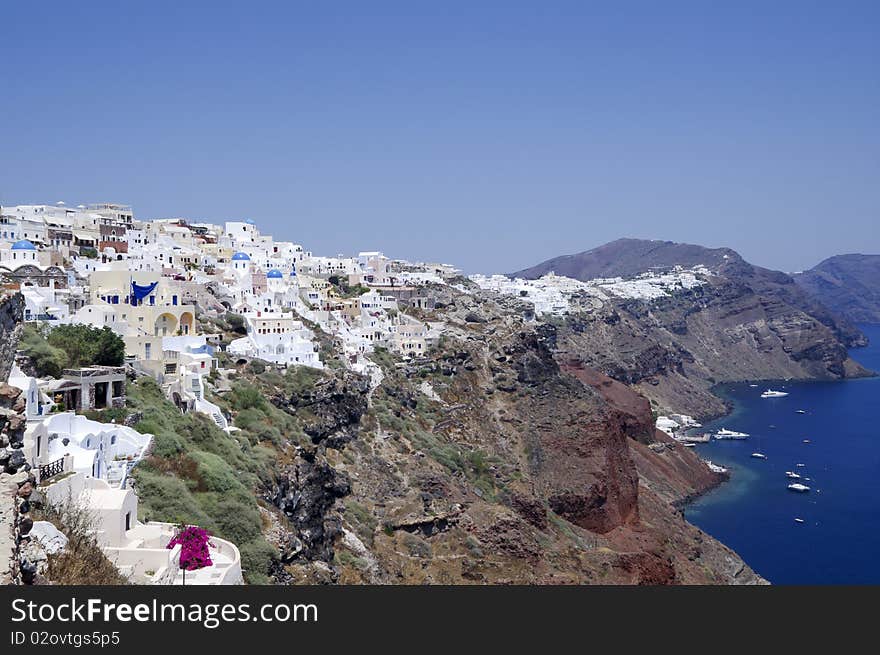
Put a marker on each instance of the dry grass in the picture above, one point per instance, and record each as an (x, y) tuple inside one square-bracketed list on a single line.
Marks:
[(82, 561)]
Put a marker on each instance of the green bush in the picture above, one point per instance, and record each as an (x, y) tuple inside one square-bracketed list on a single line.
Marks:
[(256, 560), (245, 396), (71, 346), (164, 497), (236, 323), (215, 474), (256, 367)]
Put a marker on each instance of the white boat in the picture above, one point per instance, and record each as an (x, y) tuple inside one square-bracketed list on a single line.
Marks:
[(753, 385), (724, 433), (759, 455), (800, 466), (798, 520), (773, 394), (807, 441), (800, 488), (801, 411), (689, 444), (792, 475)]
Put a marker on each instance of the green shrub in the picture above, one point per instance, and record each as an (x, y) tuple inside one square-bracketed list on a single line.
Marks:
[(164, 497), (215, 474), (256, 367), (236, 323), (246, 396), (256, 560)]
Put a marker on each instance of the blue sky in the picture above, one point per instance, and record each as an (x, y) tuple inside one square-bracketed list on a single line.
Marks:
[(489, 134)]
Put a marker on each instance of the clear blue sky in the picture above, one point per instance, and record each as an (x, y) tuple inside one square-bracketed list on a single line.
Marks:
[(489, 134)]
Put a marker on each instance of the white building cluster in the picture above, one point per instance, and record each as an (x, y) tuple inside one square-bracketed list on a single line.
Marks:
[(553, 294), (149, 282)]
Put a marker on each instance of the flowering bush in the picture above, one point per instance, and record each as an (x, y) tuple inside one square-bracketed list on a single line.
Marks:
[(194, 553)]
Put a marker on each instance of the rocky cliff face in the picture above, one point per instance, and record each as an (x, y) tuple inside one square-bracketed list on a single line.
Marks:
[(495, 458), (11, 314), (744, 323), (848, 285)]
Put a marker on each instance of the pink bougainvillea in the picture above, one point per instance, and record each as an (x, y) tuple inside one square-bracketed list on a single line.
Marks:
[(194, 553)]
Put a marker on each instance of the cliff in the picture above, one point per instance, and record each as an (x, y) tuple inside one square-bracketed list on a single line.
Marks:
[(11, 314), (492, 459), (848, 285), (743, 323)]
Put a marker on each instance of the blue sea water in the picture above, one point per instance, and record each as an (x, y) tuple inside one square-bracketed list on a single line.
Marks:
[(754, 513)]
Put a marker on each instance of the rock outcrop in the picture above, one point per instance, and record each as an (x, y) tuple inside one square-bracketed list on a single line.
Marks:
[(11, 314), (743, 323), (848, 285), (494, 459)]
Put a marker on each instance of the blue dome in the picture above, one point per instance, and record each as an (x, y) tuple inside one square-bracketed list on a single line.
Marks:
[(241, 257), (24, 244), (274, 273)]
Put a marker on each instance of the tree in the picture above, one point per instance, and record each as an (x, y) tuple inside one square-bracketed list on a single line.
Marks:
[(110, 350), (71, 346)]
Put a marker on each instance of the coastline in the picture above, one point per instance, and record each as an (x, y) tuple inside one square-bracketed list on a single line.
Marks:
[(793, 538)]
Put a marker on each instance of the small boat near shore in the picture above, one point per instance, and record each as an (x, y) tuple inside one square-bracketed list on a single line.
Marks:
[(759, 455), (770, 393), (798, 487), (691, 439), (798, 520), (792, 475), (801, 411)]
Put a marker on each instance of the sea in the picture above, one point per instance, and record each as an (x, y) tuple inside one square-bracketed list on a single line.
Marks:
[(834, 446)]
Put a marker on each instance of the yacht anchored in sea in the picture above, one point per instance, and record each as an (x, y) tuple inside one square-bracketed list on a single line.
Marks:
[(724, 433), (770, 393)]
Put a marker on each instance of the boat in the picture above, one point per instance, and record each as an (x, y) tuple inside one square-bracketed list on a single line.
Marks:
[(753, 385), (797, 520), (688, 444), (800, 466), (801, 411), (807, 441), (800, 488), (792, 475), (724, 433), (691, 439), (770, 393), (759, 455)]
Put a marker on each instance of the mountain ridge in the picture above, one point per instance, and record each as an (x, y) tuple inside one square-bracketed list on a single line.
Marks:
[(847, 284), (743, 322)]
